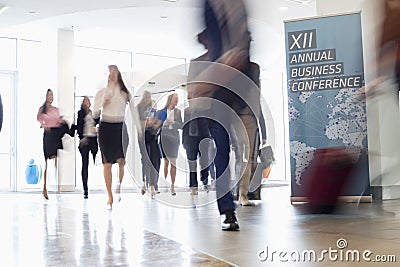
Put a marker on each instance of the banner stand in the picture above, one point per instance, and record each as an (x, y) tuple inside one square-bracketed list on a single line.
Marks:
[(345, 199), (325, 72)]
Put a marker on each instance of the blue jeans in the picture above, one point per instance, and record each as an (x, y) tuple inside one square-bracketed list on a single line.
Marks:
[(221, 162)]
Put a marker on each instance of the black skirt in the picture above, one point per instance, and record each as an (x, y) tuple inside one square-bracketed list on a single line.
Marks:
[(112, 141), (52, 140)]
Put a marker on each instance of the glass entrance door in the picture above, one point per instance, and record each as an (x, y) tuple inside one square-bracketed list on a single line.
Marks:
[(7, 132)]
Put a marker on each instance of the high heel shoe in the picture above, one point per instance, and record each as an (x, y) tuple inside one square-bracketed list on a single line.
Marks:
[(143, 190), (45, 195), (118, 191), (173, 192), (110, 203), (152, 191)]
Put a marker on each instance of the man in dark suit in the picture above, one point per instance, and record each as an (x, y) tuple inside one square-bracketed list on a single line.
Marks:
[(228, 56)]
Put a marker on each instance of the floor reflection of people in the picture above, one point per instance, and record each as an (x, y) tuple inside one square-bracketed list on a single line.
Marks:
[(54, 242), (90, 249), (116, 252)]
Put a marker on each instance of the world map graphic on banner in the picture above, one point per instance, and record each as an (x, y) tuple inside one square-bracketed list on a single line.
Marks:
[(334, 117)]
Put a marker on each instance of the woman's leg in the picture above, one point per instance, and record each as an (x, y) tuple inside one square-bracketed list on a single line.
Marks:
[(166, 163), (173, 174), (45, 195), (108, 181), (121, 169), (85, 166), (191, 154), (154, 153), (121, 166), (57, 176), (144, 159)]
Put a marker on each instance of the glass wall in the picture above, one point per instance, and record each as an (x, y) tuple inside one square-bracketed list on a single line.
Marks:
[(35, 76), (137, 71), (7, 133), (274, 106), (8, 53)]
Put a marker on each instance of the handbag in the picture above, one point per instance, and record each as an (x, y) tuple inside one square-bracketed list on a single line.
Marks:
[(267, 155), (266, 172), (267, 158)]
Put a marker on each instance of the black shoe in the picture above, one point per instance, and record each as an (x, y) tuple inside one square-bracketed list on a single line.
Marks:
[(251, 196), (230, 223), (85, 195)]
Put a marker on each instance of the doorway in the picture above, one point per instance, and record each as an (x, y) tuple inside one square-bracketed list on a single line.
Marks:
[(8, 131)]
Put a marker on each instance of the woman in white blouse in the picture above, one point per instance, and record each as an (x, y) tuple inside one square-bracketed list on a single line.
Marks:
[(110, 103)]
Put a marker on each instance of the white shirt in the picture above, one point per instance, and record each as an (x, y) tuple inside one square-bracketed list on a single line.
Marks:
[(111, 104), (171, 117), (89, 128)]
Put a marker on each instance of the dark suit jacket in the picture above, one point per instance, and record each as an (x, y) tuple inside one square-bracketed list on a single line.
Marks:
[(199, 124)]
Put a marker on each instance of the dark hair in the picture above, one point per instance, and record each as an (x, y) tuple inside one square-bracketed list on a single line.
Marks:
[(121, 82), (82, 108), (44, 106), (203, 37)]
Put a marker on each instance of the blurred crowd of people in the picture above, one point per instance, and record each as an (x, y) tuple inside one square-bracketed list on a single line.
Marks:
[(223, 112), (223, 115)]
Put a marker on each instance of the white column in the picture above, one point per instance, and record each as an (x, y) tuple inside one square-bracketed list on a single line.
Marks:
[(65, 79)]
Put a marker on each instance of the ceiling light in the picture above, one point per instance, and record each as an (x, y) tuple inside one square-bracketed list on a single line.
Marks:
[(305, 2), (283, 8), (3, 8)]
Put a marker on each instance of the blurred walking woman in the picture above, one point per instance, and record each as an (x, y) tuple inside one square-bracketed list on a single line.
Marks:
[(144, 109), (110, 103), (49, 118), (87, 133), (170, 140)]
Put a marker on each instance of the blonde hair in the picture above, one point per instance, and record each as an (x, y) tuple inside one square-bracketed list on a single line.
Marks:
[(169, 99)]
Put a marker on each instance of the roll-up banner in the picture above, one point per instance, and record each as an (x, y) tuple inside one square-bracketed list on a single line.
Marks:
[(324, 59)]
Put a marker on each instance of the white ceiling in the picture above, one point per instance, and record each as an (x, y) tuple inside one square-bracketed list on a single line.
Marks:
[(20, 11), (154, 26)]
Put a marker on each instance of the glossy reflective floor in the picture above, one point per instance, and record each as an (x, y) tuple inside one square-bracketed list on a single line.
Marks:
[(67, 230)]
